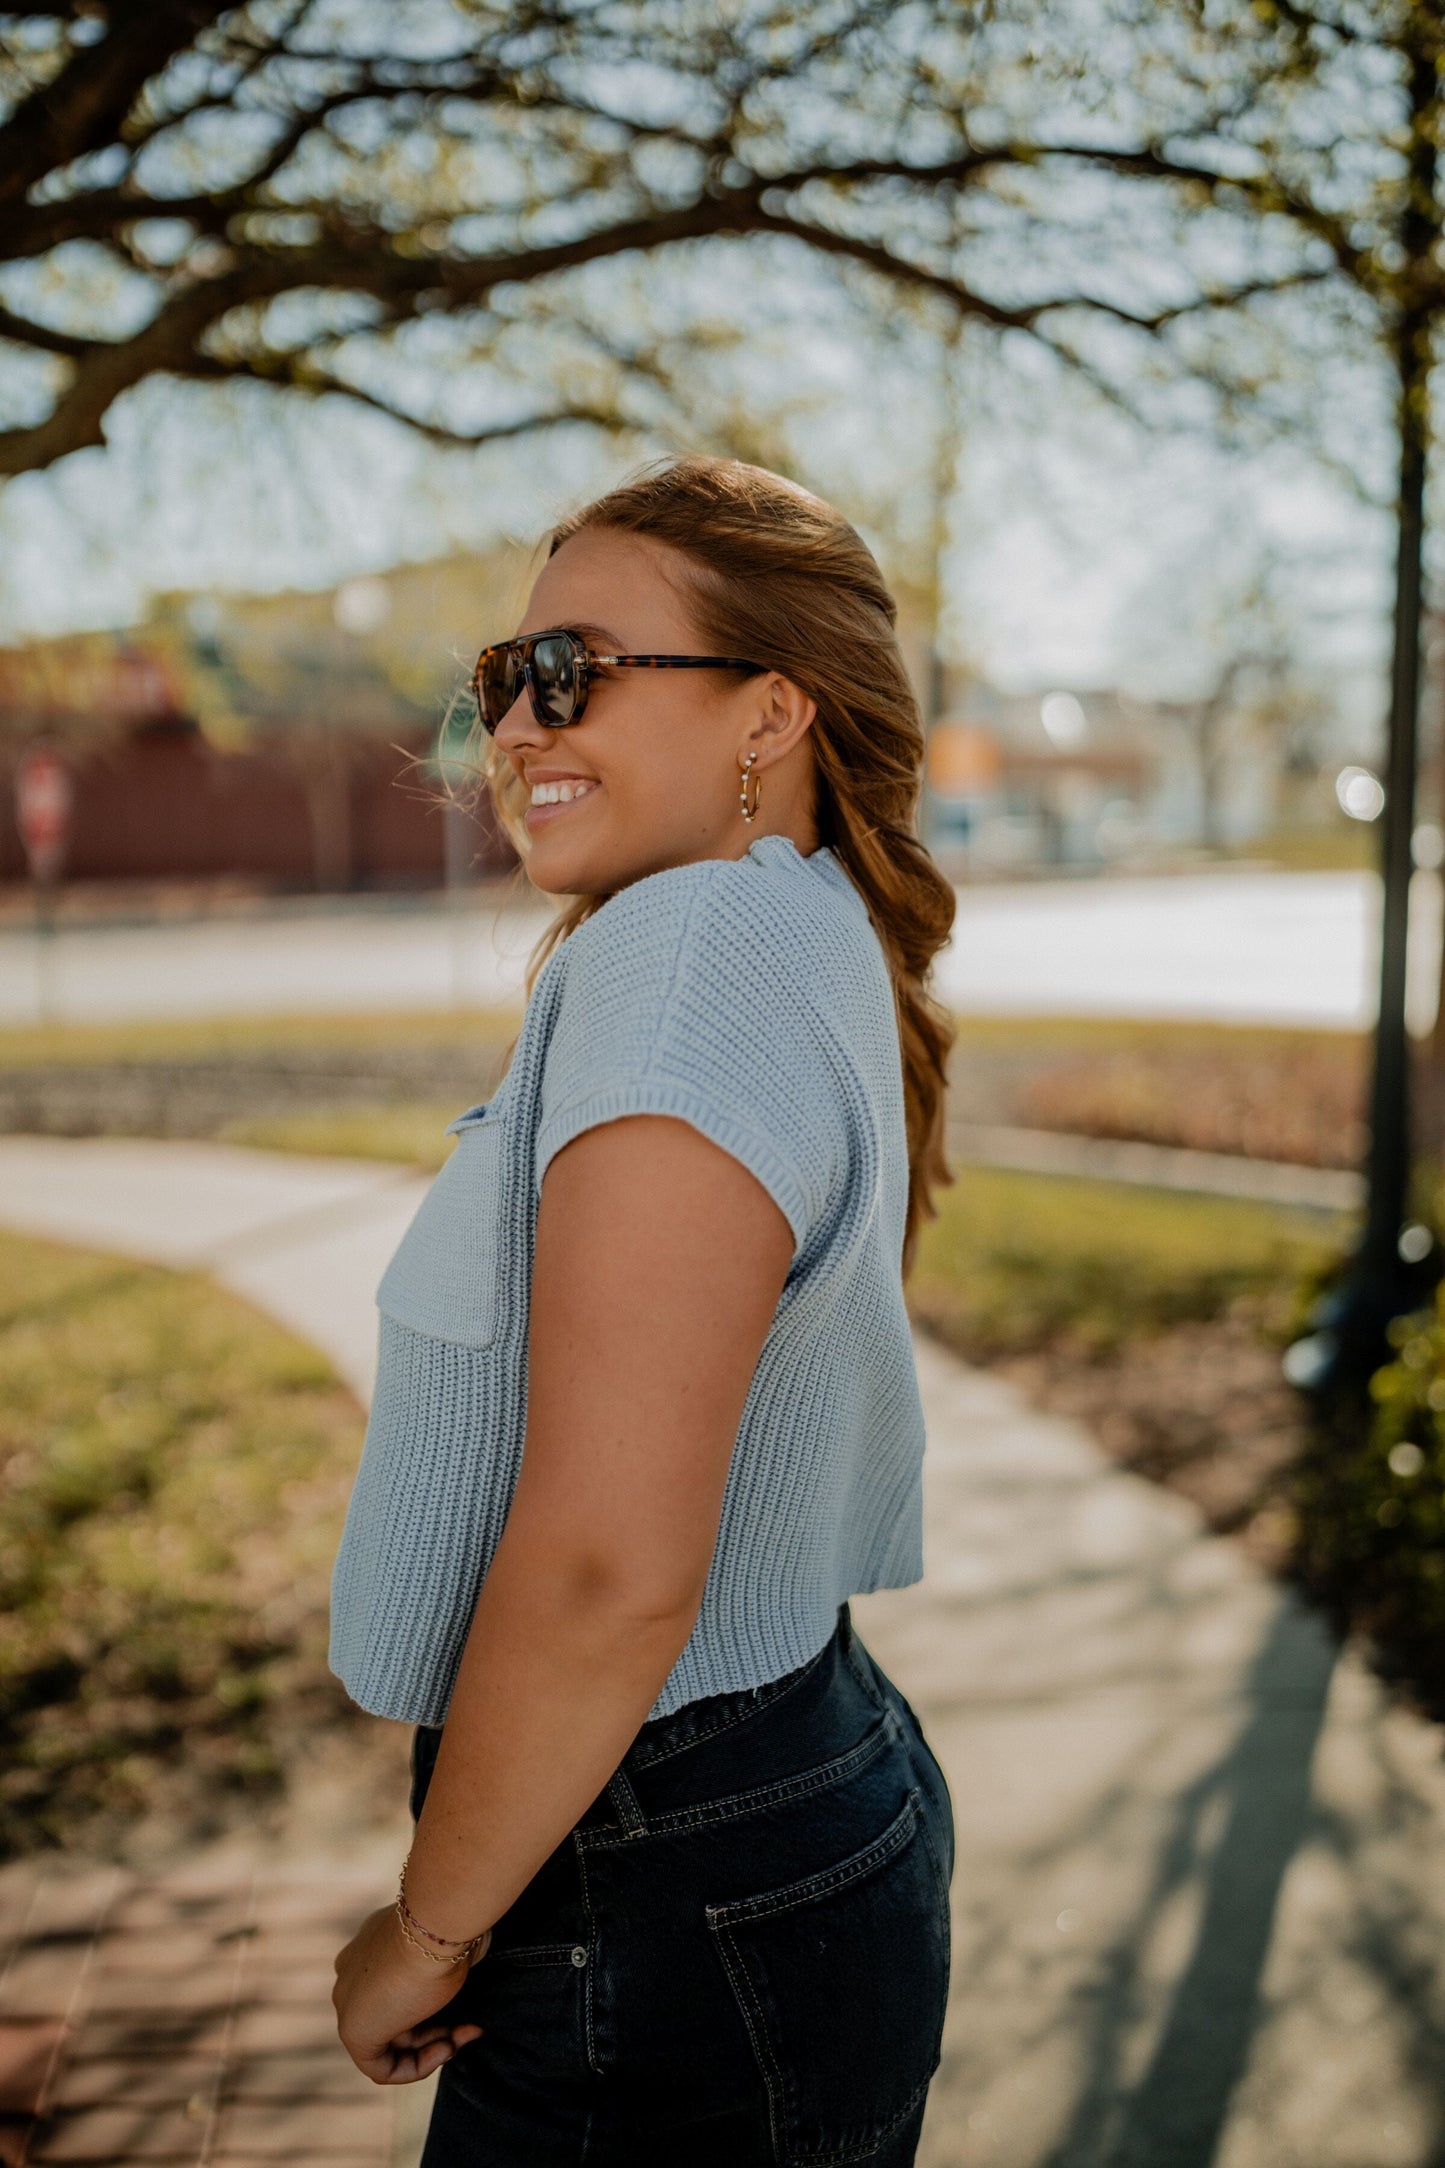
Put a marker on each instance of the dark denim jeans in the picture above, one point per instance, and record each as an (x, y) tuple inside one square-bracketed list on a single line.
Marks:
[(739, 1956)]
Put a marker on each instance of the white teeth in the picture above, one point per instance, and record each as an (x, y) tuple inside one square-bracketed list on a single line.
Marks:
[(560, 793)]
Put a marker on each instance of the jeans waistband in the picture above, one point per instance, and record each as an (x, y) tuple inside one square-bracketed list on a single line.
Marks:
[(663, 1736), (723, 1755), (739, 1730)]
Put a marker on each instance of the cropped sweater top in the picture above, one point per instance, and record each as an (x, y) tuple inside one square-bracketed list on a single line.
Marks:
[(750, 997)]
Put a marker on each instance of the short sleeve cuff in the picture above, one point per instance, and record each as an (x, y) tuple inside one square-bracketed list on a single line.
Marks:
[(661, 1095)]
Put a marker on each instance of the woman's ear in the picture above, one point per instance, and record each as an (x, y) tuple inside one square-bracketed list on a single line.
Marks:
[(784, 711)]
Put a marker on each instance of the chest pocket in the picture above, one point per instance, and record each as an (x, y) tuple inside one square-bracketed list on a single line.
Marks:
[(446, 1277)]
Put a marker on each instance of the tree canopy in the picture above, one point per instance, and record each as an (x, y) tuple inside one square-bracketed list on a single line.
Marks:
[(345, 196)]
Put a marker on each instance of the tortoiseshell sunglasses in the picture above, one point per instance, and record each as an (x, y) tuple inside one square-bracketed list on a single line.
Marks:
[(557, 667)]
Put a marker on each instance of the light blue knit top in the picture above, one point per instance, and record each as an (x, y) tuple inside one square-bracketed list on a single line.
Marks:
[(751, 997)]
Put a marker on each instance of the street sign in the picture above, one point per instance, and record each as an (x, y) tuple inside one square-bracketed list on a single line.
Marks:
[(43, 800)]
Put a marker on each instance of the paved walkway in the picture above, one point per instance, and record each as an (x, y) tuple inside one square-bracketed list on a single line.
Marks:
[(183, 2016), (1200, 1896)]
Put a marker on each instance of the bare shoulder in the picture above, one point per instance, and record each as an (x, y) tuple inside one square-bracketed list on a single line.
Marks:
[(648, 1176)]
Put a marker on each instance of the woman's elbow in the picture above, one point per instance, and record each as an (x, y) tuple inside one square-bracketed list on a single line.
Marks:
[(594, 1583)]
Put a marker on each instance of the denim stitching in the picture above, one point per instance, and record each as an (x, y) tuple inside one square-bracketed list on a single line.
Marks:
[(592, 2062), (947, 1923), (631, 1819), (938, 1874), (775, 2084), (738, 1804), (865, 1675), (803, 1892), (842, 2156), (720, 1919), (762, 2047), (531, 1953), (643, 1758)]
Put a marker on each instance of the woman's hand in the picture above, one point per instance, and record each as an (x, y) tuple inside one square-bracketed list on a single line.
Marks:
[(387, 1995)]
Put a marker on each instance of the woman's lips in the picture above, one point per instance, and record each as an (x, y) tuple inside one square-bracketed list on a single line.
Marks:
[(536, 816)]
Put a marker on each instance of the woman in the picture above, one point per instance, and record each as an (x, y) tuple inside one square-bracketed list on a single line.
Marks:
[(677, 1891)]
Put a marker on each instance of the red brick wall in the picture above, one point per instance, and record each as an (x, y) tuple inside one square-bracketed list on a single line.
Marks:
[(164, 803)]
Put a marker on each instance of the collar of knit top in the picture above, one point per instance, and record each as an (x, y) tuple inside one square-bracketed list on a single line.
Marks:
[(822, 859)]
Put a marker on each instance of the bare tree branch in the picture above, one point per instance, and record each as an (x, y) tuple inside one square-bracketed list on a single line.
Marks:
[(531, 146), (21, 332), (313, 382), (169, 343), (88, 101), (33, 229)]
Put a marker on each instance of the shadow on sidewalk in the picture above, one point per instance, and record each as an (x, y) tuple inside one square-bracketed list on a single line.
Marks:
[(1261, 1791)]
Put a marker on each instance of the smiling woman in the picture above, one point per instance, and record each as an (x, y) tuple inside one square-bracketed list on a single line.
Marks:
[(646, 1413)]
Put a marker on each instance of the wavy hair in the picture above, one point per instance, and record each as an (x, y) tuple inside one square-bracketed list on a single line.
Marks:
[(775, 573)]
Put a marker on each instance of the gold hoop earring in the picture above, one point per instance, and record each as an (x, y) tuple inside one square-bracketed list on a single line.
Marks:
[(750, 811)]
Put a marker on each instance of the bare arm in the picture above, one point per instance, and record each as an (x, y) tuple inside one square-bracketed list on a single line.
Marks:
[(659, 1263)]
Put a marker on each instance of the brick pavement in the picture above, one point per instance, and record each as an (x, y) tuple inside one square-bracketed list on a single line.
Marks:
[(180, 2016)]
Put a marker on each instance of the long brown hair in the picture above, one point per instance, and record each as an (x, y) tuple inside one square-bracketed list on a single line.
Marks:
[(779, 575)]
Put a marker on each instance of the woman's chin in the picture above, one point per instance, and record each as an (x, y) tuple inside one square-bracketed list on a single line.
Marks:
[(556, 870)]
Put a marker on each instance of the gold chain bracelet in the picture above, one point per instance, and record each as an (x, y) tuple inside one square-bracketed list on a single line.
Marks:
[(436, 1956), (454, 1947)]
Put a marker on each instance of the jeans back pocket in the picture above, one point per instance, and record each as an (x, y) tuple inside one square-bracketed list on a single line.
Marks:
[(842, 1980)]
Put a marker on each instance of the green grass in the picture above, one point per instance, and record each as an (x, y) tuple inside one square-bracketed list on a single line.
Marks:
[(1108, 1034), (174, 1469), (1016, 1261), (253, 1037), (410, 1131), (214, 1038), (1346, 848)]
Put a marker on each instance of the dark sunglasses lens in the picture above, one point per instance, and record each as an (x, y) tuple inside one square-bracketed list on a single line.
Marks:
[(498, 683), (555, 674)]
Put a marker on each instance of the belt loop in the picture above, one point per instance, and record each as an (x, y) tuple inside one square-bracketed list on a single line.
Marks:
[(624, 1799)]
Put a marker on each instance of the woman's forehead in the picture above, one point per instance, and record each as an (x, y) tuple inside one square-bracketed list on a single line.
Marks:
[(612, 586)]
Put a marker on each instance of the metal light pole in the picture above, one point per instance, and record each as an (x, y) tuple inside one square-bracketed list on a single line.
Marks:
[(1395, 1265), (1388, 1169)]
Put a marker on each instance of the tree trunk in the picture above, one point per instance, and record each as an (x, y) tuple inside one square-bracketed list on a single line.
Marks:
[(1211, 715), (1388, 1163), (1430, 1065)]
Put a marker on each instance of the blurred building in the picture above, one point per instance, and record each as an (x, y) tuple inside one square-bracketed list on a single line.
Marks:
[(286, 742), (1063, 778)]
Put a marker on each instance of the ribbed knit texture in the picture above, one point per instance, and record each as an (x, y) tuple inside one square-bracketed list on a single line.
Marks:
[(752, 998)]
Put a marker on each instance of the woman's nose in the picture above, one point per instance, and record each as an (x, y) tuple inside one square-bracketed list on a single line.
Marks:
[(519, 726)]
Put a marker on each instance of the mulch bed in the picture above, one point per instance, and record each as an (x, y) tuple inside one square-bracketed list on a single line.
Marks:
[(1301, 1103)]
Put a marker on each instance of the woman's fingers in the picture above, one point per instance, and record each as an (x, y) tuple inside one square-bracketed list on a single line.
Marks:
[(423, 2062), (417, 2051), (422, 2036)]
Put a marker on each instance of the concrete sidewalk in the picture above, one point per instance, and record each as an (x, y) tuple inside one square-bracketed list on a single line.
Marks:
[(1200, 1888)]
